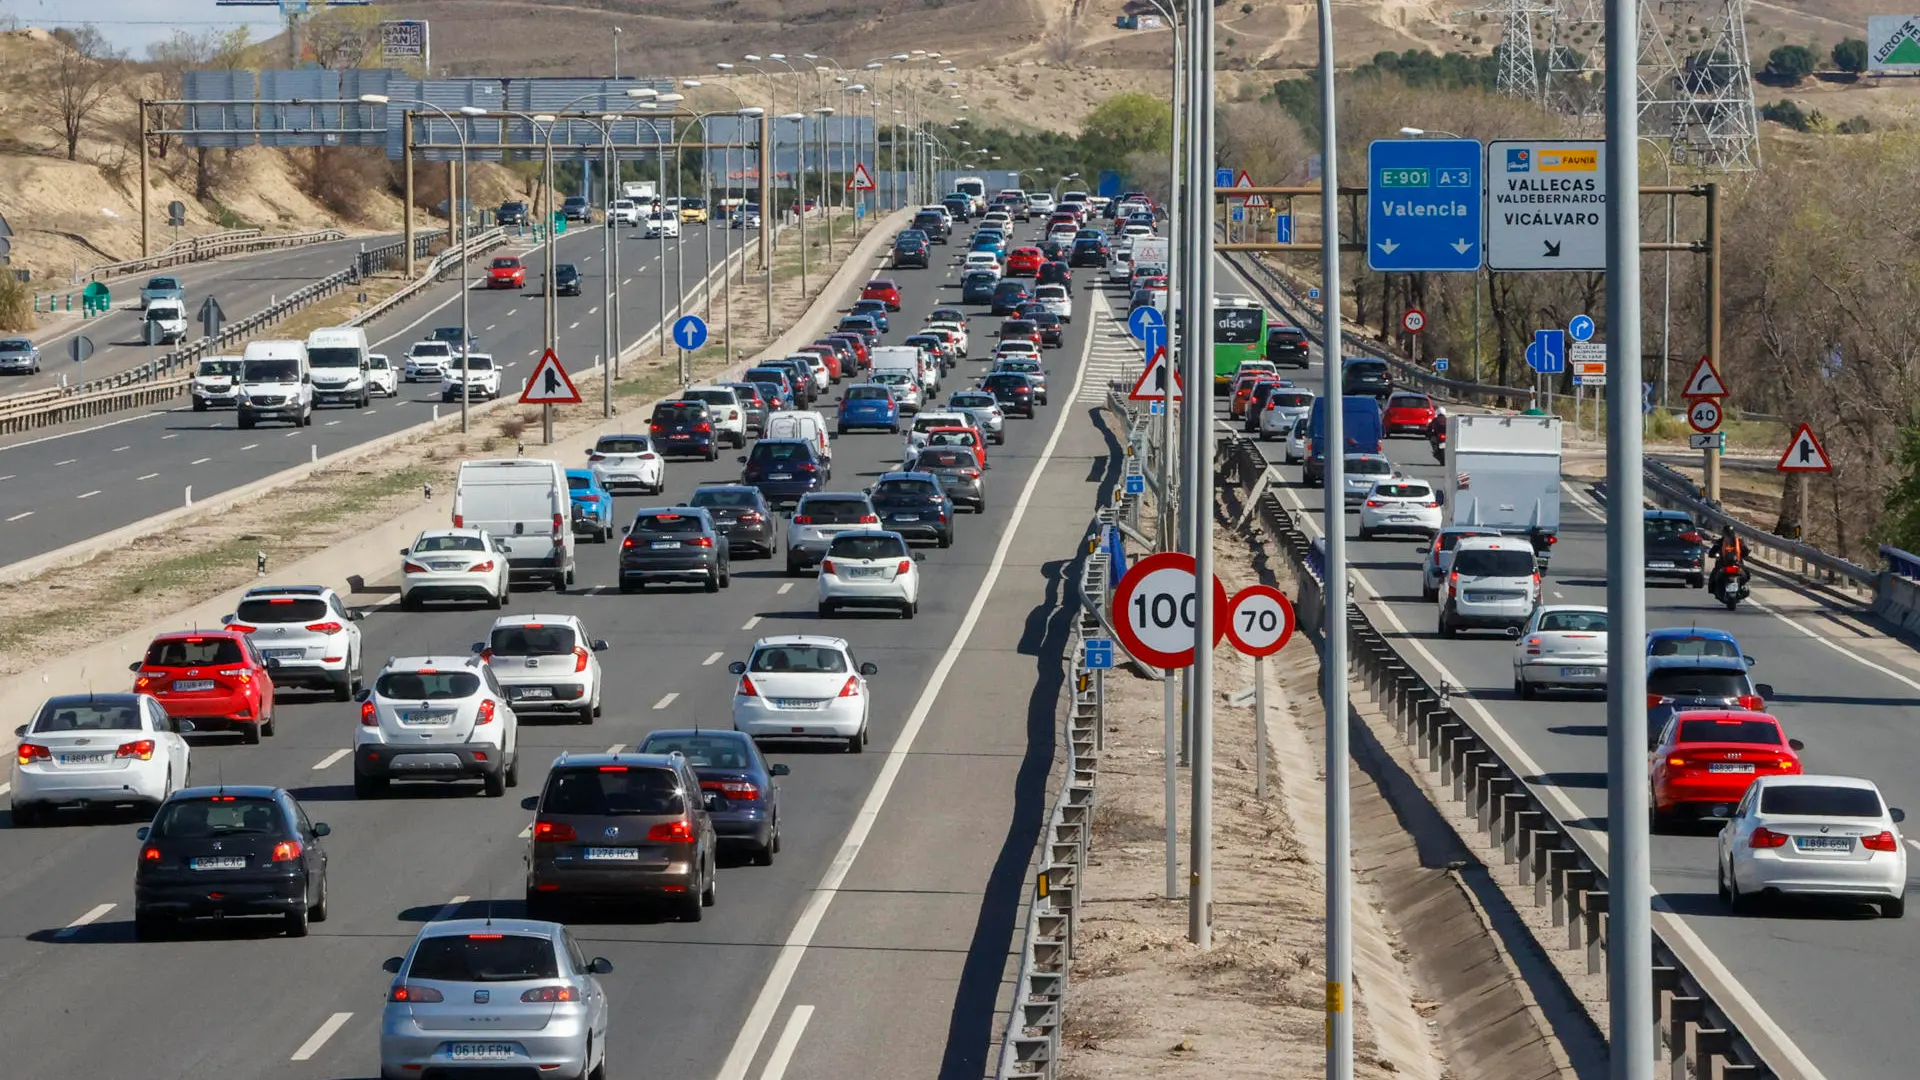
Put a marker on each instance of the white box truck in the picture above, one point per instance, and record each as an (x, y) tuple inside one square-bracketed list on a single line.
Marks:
[(1504, 473), (640, 191), (526, 503)]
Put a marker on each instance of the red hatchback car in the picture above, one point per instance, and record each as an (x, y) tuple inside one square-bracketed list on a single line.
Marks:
[(1409, 414), (882, 289), (215, 678), (1707, 758), (828, 355), (1025, 262), (507, 272)]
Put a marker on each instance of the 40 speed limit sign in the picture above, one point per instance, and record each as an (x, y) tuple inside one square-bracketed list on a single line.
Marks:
[(1259, 620), (1153, 610)]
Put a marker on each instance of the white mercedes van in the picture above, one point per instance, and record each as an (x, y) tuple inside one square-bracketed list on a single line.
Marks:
[(337, 356), (275, 384)]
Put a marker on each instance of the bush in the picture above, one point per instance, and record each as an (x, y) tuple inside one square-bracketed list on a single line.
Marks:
[(1857, 125), (16, 304), (1788, 114), (1850, 55), (1791, 63), (342, 179)]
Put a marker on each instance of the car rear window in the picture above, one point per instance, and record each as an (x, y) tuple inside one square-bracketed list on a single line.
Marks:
[(427, 685), (798, 659), (216, 816), (893, 492), (944, 458), (714, 397), (88, 714), (430, 544), (281, 609), (703, 751), (1751, 732), (579, 483), (194, 651), (769, 452), (1819, 800), (1367, 369), (833, 511), (626, 445), (484, 958), (530, 639), (678, 414), (1291, 399), (867, 547), (1360, 466), (868, 393), (667, 523), (1408, 401), (1494, 562), (1008, 380), (1450, 540), (1589, 622), (724, 497), (1697, 682), (1667, 527), (612, 791), (1403, 491), (1694, 646)]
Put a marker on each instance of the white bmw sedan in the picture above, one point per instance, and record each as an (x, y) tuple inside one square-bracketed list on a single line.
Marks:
[(1814, 836)]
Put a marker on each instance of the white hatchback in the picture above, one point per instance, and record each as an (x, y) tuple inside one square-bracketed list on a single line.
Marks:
[(1564, 645), (97, 750), (1815, 836), (1400, 505), (869, 568), (1284, 406), (1055, 298), (802, 686), (981, 260), (313, 634), (1493, 584), (628, 461), (427, 361), (453, 564), (546, 664), (382, 379)]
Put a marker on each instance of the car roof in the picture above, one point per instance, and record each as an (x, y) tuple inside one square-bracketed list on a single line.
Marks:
[(782, 442), (1667, 515), (1494, 542), (1583, 608), (287, 590), (1734, 715), (907, 474), (250, 791), (701, 733), (1710, 633), (623, 435), (420, 663), (726, 487), (118, 697), (489, 925), (455, 531), (532, 619), (625, 757), (802, 639), (1724, 663), (870, 532)]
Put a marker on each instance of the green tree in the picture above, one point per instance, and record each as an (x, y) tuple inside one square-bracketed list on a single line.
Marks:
[(1127, 123), (1901, 527), (1791, 63), (1850, 55)]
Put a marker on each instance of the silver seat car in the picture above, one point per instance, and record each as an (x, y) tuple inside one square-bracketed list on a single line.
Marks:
[(485, 996)]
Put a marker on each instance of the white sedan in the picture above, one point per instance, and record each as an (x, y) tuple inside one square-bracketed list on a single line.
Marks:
[(802, 686), (1400, 505), (453, 564), (97, 750), (869, 568), (962, 343), (1564, 646), (981, 260), (1831, 837), (663, 224)]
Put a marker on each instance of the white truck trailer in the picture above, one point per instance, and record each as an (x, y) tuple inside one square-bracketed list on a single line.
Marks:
[(1504, 473)]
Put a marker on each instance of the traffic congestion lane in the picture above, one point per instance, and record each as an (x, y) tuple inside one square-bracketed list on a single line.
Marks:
[(57, 489), (405, 859), (1826, 978)]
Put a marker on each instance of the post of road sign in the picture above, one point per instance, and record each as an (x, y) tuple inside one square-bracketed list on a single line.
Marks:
[(1804, 455), (689, 333), (1413, 322), (1260, 619)]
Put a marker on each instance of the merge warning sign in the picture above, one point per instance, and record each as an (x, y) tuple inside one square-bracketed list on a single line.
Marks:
[(1546, 205)]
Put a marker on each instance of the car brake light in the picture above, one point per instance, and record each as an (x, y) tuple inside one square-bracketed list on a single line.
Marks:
[(703, 427), (595, 455), (1751, 701), (1677, 762), (31, 752), (747, 688), (671, 832), (240, 628), (826, 566), (627, 543), (150, 854), (588, 498), (367, 715), (906, 566), (481, 567), (744, 790), (1767, 838), (803, 519), (1453, 584), (286, 851), (699, 541), (140, 748), (870, 519), (580, 656), (1375, 502), (559, 523), (548, 994), (852, 689), (486, 713), (1884, 841), (422, 994), (552, 832), (411, 567), (653, 427)]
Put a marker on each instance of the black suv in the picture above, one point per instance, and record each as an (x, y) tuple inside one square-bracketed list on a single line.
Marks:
[(1365, 377), (566, 280), (910, 249), (677, 543), (649, 804), (934, 224), (511, 213), (915, 505), (1286, 345), (742, 514), (684, 427), (1012, 390), (1009, 295), (1675, 548), (960, 206)]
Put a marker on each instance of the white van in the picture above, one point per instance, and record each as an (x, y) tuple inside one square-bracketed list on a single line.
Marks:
[(216, 382), (337, 356), (524, 502), (166, 321), (275, 384), (911, 359), (801, 424)]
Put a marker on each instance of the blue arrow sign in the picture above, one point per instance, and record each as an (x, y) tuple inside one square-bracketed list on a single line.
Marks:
[(1548, 353), (1283, 228), (1440, 364), (1155, 339), (690, 332), (1424, 205), (1142, 318), (1223, 177), (1581, 327), (1239, 212), (1313, 294)]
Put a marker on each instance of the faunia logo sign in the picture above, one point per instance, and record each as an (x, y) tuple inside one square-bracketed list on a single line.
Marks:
[(1893, 42)]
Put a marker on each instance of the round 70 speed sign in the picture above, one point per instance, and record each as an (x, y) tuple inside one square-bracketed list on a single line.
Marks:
[(1413, 321), (1153, 610), (1259, 620)]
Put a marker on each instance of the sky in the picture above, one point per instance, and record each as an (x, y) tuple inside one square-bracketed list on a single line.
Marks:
[(132, 25)]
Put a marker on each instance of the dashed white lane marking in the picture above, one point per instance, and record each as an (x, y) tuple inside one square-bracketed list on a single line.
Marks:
[(332, 759), (89, 494), (24, 514), (785, 587), (708, 662), (117, 449), (449, 909), (200, 461), (69, 461), (665, 701), (250, 446), (616, 748), (90, 917), (175, 435), (751, 623), (149, 476), (333, 423), (319, 1038)]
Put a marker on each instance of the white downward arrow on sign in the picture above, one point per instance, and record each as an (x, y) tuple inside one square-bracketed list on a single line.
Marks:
[(1461, 245), (1388, 246)]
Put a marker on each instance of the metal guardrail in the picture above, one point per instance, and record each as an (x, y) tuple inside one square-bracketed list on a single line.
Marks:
[(20, 417), (441, 264), (388, 256), (211, 245), (1700, 1042)]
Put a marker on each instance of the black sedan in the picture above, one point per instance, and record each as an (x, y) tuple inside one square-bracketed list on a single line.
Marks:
[(915, 505), (232, 850), (677, 543), (1088, 252), (1051, 329), (566, 280), (910, 250), (1675, 547), (742, 514), (1012, 390), (729, 764), (1008, 296)]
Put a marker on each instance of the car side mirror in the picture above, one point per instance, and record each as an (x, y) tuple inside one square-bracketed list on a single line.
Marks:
[(600, 645), (1420, 549), (625, 529), (141, 832), (738, 667), (20, 732), (404, 552), (1898, 815), (1796, 744), (1440, 497), (356, 615), (184, 727), (779, 770), (363, 695), (321, 828), (599, 965), (1765, 690), (225, 619), (742, 459), (869, 668), (1750, 660), (531, 802), (135, 666), (477, 647), (1513, 631), (391, 965)]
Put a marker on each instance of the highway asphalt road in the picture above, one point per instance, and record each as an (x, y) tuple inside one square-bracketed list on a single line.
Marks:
[(57, 489), (243, 285), (1828, 978), (878, 942)]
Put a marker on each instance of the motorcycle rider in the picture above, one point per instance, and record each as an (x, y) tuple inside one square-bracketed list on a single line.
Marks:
[(1728, 552)]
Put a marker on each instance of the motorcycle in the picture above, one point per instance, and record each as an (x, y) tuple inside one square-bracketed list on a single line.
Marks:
[(1730, 585), (1437, 438)]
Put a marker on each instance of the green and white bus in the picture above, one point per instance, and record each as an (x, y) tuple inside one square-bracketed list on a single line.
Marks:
[(1239, 334)]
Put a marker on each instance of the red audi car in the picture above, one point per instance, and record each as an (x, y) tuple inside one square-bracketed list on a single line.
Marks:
[(1409, 414), (884, 290), (1706, 759), (1025, 262), (215, 678)]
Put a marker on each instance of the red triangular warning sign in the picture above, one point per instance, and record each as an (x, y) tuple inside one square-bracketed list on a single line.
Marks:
[(1243, 180), (1804, 453), (1705, 381), (1257, 201), (549, 384), (1153, 381), (861, 180)]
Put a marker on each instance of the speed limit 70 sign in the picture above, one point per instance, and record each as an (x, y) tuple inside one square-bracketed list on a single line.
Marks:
[(1259, 620), (1153, 610)]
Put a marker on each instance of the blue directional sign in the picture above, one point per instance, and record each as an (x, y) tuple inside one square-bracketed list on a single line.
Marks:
[(1136, 484), (1283, 228), (1156, 407), (1137, 322), (1646, 397), (1548, 353), (1239, 212), (1581, 328), (1440, 363), (1099, 654), (1155, 339), (690, 332), (1223, 178), (1313, 294), (1424, 205)]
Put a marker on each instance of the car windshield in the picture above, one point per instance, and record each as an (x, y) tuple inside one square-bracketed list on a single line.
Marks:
[(625, 444), (1403, 491), (428, 544), (194, 652), (163, 283), (679, 414), (281, 609), (1368, 466), (1580, 622), (88, 714), (668, 523), (216, 816), (904, 492), (944, 458), (798, 660), (725, 497), (1819, 800), (474, 363), (533, 639), (431, 349), (484, 958), (271, 371), (427, 684), (832, 511), (207, 367), (1668, 527), (867, 547), (1494, 562), (1751, 732), (1697, 682), (1694, 646)]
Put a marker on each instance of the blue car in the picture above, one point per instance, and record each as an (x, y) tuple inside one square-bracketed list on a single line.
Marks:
[(728, 764), (785, 470), (592, 506), (869, 405), (987, 240), (1694, 641), (877, 309)]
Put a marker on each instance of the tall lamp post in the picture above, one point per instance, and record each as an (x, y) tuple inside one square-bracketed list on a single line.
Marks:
[(800, 185), (825, 113)]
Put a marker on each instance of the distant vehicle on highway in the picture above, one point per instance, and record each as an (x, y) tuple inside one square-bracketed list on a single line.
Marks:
[(577, 208), (453, 336), (164, 287), (216, 382), (512, 212), (19, 356), (507, 272)]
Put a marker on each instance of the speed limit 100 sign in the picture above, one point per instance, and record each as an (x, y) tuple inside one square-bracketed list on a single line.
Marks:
[(1259, 620), (1704, 415), (1153, 610)]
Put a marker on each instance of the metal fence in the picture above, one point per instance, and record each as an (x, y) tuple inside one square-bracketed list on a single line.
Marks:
[(197, 248)]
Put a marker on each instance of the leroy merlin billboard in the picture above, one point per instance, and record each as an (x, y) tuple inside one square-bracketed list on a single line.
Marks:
[(1893, 42)]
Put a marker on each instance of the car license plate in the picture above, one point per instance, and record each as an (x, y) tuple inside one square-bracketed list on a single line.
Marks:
[(868, 571), (906, 517), (1823, 843), (427, 717), (659, 545), (92, 758), (1728, 767), (446, 566), (530, 691), (797, 703), (1402, 517), (219, 862), (781, 476), (193, 684), (613, 854), (1579, 673), (284, 654), (480, 1051), (1659, 566)]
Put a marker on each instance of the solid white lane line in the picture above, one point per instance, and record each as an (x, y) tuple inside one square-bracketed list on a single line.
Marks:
[(449, 909), (91, 916), (200, 461), (784, 586), (754, 1030), (665, 701), (751, 623), (89, 494), (319, 1038), (708, 662), (332, 759), (149, 476), (23, 514), (782, 1055)]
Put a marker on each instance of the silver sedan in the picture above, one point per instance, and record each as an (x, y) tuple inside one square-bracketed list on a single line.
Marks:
[(985, 411), (18, 356), (1364, 471)]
